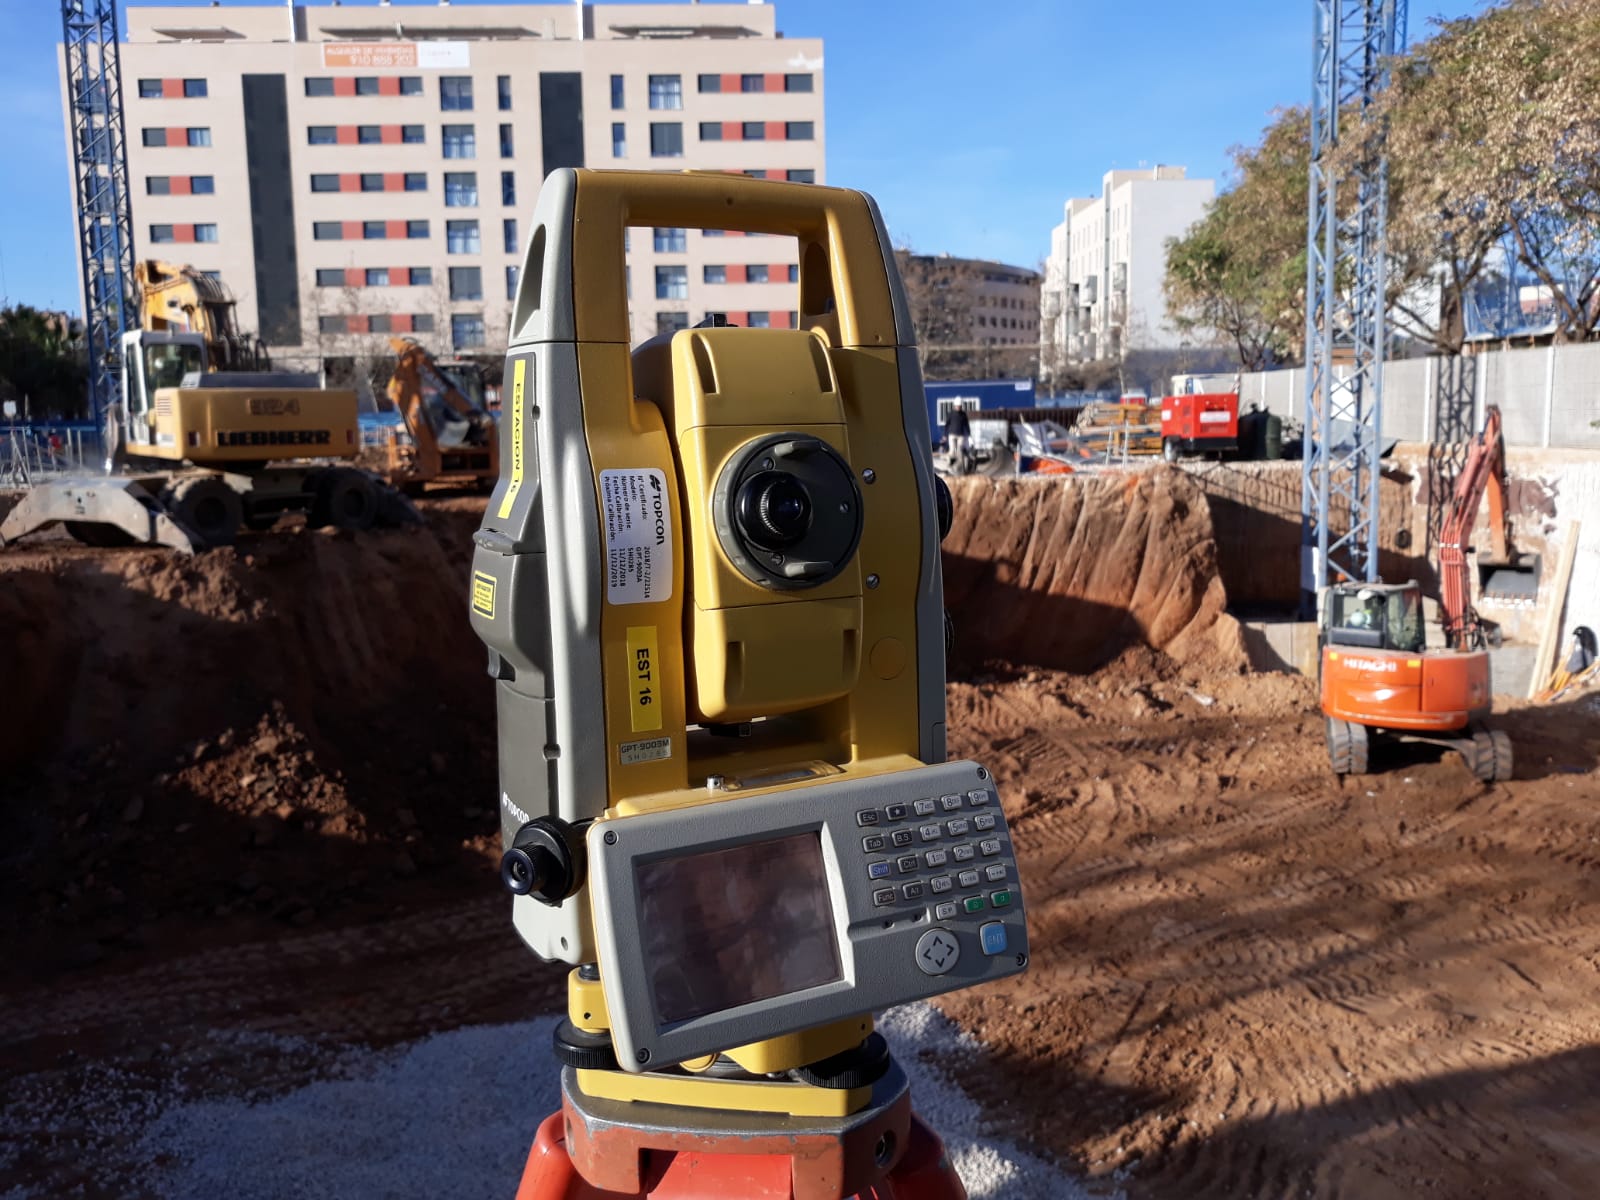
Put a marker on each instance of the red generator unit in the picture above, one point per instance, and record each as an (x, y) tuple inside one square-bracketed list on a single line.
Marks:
[(1201, 423)]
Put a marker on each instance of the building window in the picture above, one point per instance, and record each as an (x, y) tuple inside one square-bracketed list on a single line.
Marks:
[(759, 320), (374, 230), (756, 273), (319, 85), (506, 144), (511, 282), (672, 283), (710, 131), (466, 331), (331, 324), (202, 185), (794, 272), (710, 83), (508, 187), (412, 135), (503, 88), (194, 89), (797, 83), (715, 319), (367, 85), (377, 276), (806, 175), (149, 89), (752, 83), (416, 181), (671, 322), (799, 131), (416, 229), (154, 137), (327, 231), (162, 233), (158, 185), (317, 135), (619, 139), (378, 323), (372, 182), (460, 141), (369, 135), (466, 283), (461, 189), (200, 136), (616, 91), (330, 277), (205, 233), (422, 323), (755, 131), (671, 241), (666, 92), (508, 231), (461, 237), (455, 93), (411, 85), (714, 273), (666, 139), (420, 277)]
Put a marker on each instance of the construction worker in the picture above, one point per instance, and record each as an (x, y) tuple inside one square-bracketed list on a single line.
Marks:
[(1370, 614), (957, 435)]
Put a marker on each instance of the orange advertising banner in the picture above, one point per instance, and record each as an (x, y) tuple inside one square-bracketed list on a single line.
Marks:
[(369, 55)]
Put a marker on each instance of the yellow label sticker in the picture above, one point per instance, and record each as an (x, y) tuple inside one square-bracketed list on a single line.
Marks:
[(518, 465), (483, 594), (644, 675)]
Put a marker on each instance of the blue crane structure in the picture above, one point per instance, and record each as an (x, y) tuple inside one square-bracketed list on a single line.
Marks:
[(100, 179), (1345, 295)]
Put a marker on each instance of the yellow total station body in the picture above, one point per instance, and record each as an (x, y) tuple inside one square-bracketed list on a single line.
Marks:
[(841, 677)]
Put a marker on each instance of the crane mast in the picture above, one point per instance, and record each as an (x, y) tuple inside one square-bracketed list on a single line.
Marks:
[(1345, 297), (100, 178)]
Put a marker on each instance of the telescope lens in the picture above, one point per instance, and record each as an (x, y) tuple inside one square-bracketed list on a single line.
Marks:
[(774, 509)]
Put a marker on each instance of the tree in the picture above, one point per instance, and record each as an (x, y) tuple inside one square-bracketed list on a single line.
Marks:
[(944, 294), (44, 363), (1238, 277)]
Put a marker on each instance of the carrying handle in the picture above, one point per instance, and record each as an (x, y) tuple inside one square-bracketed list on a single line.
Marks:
[(846, 263)]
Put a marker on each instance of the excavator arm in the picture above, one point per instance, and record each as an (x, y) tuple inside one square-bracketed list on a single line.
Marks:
[(1484, 471), (176, 298), (415, 387)]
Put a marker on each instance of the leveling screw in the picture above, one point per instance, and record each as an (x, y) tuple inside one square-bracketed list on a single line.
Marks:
[(869, 475)]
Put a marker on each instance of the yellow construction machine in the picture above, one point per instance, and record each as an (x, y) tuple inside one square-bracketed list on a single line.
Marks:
[(450, 436), (208, 439)]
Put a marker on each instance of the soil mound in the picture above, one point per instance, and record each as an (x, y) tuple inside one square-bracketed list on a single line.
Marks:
[(1064, 572), (266, 730)]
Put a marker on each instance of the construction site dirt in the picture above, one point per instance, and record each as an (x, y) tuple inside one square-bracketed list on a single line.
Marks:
[(252, 793)]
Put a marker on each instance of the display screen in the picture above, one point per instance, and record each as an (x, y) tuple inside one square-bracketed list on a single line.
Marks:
[(722, 928)]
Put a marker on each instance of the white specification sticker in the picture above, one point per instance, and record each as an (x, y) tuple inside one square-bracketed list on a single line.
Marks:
[(649, 750), (638, 521)]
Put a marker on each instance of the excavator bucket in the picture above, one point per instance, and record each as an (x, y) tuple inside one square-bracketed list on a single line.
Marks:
[(98, 510), (1510, 582)]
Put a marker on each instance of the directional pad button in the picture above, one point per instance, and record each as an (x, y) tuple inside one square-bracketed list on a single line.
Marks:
[(937, 951)]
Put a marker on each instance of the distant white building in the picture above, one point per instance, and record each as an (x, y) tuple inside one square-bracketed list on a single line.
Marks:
[(1101, 296)]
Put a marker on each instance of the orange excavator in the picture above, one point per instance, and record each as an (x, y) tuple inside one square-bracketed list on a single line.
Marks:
[(451, 437), (1378, 677)]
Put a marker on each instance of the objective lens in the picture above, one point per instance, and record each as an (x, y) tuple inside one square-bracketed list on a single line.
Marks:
[(774, 509)]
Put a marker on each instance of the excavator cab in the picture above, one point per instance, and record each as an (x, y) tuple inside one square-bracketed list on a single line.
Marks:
[(151, 363), (1374, 616)]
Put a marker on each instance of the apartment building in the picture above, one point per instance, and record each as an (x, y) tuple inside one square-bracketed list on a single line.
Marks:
[(1101, 297), (356, 170), (973, 316)]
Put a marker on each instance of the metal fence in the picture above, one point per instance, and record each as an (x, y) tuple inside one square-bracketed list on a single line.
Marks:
[(1549, 396), (32, 452)]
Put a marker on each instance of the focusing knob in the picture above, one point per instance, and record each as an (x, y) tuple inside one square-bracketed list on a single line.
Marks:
[(546, 861), (945, 504)]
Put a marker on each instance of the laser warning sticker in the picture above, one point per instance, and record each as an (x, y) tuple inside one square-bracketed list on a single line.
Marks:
[(638, 519), (483, 594)]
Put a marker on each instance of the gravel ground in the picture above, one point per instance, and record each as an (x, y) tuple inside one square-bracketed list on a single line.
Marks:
[(453, 1115)]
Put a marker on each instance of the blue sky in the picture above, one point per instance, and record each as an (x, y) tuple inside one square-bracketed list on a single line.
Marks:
[(970, 122)]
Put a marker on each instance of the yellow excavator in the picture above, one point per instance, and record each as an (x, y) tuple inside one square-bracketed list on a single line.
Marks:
[(208, 440), (450, 436)]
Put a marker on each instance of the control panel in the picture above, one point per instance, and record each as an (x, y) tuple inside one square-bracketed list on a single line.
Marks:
[(738, 920)]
